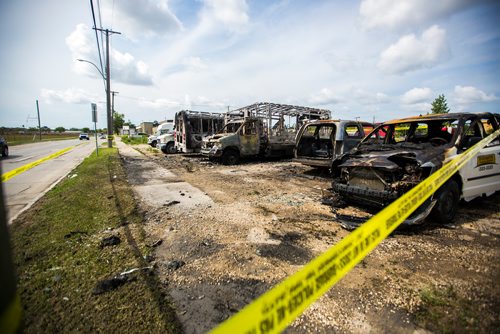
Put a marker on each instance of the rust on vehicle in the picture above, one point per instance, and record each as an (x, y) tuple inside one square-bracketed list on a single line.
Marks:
[(319, 142), (398, 154), (259, 130)]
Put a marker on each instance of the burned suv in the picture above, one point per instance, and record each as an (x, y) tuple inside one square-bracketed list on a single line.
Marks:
[(398, 154)]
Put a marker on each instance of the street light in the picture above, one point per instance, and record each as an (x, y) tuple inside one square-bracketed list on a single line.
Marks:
[(97, 68), (108, 98)]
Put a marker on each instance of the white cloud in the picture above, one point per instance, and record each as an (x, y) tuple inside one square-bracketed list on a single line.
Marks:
[(324, 97), (141, 18), (424, 107), (231, 13), (470, 94), (411, 53), (70, 95), (200, 102), (158, 103), (369, 98), (397, 13), (124, 67), (417, 95), (194, 63)]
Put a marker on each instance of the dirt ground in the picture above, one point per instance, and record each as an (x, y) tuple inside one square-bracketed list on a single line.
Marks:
[(266, 220)]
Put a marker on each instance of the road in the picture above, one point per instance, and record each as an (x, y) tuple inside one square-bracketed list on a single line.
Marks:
[(22, 190)]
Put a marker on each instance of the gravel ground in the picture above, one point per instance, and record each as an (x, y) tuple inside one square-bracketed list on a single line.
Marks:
[(266, 221)]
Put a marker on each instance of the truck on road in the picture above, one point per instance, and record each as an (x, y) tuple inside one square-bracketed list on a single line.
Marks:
[(165, 139)]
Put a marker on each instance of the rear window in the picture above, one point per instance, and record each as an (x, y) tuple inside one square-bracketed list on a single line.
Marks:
[(352, 131)]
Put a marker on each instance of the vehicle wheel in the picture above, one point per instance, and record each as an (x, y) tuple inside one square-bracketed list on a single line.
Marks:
[(153, 143), (5, 152), (170, 148), (230, 157), (446, 206)]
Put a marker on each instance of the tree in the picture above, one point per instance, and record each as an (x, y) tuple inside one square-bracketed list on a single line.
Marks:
[(118, 120), (439, 105), (86, 130), (130, 124), (60, 129)]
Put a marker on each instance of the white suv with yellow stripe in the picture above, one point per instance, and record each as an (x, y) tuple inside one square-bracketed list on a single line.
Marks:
[(398, 154)]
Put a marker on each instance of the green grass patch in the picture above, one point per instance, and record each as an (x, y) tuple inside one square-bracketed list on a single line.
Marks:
[(445, 311), (134, 140), (19, 139), (59, 261)]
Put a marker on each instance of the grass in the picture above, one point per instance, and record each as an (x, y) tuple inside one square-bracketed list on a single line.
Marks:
[(58, 258), (134, 140), (18, 139), (445, 311)]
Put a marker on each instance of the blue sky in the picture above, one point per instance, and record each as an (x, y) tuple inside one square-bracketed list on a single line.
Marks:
[(373, 59)]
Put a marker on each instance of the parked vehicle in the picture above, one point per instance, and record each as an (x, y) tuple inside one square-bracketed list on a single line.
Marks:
[(260, 129), (160, 130), (192, 126), (165, 141), (384, 167), (4, 147), (84, 136), (319, 142)]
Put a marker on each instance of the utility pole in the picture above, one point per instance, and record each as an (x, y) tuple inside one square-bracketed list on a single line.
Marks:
[(113, 108), (108, 86), (39, 126)]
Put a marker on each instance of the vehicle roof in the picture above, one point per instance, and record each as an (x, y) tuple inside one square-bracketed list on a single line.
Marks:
[(431, 117), (337, 121)]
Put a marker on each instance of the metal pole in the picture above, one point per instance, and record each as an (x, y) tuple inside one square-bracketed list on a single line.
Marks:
[(113, 108), (39, 127), (108, 93), (96, 143)]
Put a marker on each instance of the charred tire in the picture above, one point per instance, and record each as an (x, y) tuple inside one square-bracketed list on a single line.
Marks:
[(447, 199), (5, 152), (230, 157), (170, 148)]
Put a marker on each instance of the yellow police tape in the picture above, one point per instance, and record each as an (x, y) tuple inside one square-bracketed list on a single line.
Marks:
[(22, 169), (276, 309)]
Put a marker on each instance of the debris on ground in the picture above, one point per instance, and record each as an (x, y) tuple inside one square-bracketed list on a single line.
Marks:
[(175, 264), (110, 241), (156, 243), (110, 284)]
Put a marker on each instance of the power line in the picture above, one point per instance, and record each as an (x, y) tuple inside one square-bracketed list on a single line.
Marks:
[(113, 15), (96, 36), (100, 23)]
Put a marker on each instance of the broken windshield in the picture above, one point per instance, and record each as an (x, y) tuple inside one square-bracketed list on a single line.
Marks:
[(231, 127)]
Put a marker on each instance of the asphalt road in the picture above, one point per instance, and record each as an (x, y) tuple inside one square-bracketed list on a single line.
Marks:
[(22, 190)]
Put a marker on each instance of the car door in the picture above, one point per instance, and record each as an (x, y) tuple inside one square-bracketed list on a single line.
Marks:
[(249, 138), (481, 174)]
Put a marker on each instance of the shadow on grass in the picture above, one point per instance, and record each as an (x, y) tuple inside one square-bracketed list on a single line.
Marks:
[(153, 283)]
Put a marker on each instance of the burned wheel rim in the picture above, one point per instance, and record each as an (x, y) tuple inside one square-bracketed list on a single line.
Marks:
[(230, 157)]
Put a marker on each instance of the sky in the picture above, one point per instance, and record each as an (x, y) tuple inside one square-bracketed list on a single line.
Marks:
[(370, 59)]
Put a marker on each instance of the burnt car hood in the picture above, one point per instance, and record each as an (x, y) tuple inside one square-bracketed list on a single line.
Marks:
[(386, 156)]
